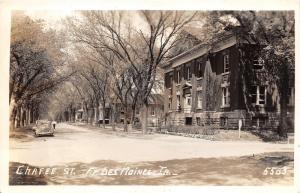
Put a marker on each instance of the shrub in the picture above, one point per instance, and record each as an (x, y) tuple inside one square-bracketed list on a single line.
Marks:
[(184, 129)]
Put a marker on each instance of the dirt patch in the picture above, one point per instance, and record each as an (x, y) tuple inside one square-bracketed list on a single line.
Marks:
[(243, 171), (22, 134), (268, 135), (15, 179), (233, 135)]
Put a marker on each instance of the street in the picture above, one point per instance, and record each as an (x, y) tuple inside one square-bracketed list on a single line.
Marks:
[(74, 143)]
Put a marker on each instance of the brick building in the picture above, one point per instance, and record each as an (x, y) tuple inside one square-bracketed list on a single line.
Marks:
[(203, 85)]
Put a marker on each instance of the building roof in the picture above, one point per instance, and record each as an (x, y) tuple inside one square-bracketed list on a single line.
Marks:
[(194, 31), (156, 99)]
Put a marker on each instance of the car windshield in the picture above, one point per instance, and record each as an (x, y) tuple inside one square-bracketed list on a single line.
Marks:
[(42, 122)]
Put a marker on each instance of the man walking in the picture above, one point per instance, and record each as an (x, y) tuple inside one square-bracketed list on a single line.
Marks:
[(53, 124)]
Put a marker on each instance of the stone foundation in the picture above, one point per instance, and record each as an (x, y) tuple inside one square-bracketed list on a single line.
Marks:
[(226, 120)]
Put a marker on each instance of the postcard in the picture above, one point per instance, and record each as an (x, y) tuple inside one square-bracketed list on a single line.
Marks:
[(151, 98)]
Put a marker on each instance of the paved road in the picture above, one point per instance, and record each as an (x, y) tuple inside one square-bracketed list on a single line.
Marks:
[(78, 144)]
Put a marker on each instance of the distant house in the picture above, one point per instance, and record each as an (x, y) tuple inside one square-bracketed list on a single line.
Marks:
[(115, 112), (203, 85), (155, 110), (79, 115)]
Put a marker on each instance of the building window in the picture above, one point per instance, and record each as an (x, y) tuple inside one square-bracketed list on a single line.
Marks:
[(187, 103), (188, 100), (178, 102), (226, 63), (223, 121), (259, 121), (225, 96), (189, 73), (262, 95), (188, 121), (198, 120), (258, 63), (253, 91), (170, 103), (199, 99), (152, 111), (169, 79), (178, 76), (198, 70), (291, 96), (258, 95)]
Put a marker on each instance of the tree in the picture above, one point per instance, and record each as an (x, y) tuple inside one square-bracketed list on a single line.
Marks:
[(274, 34), (143, 47), (34, 64)]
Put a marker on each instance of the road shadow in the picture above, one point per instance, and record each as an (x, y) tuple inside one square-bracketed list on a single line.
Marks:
[(241, 171)]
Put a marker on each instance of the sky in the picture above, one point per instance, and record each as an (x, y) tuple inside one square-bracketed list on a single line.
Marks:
[(52, 18)]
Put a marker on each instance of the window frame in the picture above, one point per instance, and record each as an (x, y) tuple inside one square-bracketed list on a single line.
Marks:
[(258, 63), (178, 102), (199, 100), (226, 63), (226, 97), (223, 121), (199, 70), (178, 78), (153, 111), (188, 73), (291, 96), (258, 95), (170, 103)]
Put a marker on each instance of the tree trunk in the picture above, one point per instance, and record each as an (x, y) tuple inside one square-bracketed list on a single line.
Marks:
[(283, 92), (132, 116), (12, 114), (144, 118), (70, 115), (21, 117), (125, 119), (282, 129), (73, 115), (18, 116), (27, 116), (113, 117), (103, 111), (91, 116), (30, 116)]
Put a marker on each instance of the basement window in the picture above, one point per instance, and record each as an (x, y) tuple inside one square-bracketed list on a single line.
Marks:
[(223, 121), (259, 121), (188, 121)]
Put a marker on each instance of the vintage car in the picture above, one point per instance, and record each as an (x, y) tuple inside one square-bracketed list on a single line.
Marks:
[(43, 128)]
